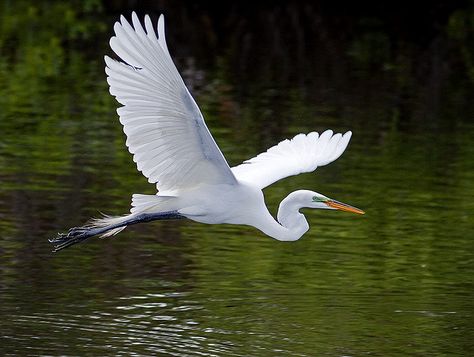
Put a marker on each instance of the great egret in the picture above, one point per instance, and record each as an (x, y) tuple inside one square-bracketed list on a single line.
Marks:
[(174, 149)]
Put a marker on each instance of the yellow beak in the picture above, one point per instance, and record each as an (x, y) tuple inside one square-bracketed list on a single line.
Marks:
[(343, 207)]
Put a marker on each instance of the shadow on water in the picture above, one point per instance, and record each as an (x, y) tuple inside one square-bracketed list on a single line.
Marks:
[(396, 281)]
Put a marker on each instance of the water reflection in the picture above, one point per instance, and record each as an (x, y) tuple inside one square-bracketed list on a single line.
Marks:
[(398, 281)]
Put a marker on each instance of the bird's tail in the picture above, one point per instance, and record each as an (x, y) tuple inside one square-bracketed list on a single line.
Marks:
[(109, 221), (153, 203)]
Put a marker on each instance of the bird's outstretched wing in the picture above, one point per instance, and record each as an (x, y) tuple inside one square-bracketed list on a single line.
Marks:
[(303, 153), (165, 130)]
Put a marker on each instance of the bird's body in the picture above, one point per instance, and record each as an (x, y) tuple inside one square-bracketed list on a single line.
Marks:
[(174, 149), (215, 204)]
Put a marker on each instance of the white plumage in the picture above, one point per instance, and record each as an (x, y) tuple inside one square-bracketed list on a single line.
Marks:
[(303, 153), (165, 130), (174, 149)]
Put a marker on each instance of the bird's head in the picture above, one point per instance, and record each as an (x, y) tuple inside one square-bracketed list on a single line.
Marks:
[(316, 200)]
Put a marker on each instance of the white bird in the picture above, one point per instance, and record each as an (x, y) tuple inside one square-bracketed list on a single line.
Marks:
[(174, 149)]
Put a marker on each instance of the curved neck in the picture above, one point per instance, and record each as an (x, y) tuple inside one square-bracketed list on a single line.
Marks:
[(291, 224)]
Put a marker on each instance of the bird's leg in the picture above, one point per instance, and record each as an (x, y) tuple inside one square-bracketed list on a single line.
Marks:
[(78, 234)]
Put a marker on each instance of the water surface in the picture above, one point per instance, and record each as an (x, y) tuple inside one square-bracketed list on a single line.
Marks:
[(397, 281)]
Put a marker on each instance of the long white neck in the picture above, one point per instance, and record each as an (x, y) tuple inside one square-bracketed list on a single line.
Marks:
[(291, 223)]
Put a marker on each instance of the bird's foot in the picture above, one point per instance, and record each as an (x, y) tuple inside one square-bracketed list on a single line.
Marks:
[(73, 236)]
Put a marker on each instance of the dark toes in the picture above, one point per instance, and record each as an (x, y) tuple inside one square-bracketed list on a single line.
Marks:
[(73, 236)]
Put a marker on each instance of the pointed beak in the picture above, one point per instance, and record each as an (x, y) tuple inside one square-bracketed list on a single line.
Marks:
[(343, 207)]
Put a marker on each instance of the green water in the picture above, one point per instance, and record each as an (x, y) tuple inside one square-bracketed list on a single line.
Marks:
[(397, 281)]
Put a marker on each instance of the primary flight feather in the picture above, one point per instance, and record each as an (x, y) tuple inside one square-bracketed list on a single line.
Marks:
[(173, 148)]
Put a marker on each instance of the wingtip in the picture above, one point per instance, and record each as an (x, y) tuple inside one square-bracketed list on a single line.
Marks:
[(113, 41), (135, 17), (108, 61), (147, 19), (161, 26), (117, 26), (327, 132)]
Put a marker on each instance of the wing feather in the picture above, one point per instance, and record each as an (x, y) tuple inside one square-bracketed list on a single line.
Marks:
[(303, 153), (165, 130)]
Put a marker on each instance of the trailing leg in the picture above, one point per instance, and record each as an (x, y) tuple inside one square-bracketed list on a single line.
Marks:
[(107, 226)]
